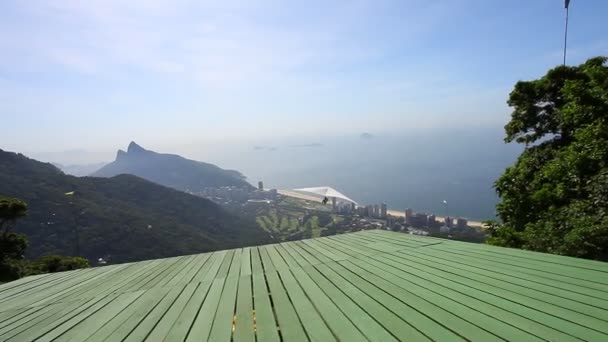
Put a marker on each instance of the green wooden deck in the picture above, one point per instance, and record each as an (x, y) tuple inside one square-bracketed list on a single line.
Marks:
[(372, 285)]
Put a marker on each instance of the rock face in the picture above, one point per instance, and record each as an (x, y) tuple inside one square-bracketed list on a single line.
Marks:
[(171, 170)]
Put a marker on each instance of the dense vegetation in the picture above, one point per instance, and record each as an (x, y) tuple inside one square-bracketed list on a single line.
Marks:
[(293, 219), (171, 170), (124, 218), (289, 225), (555, 198), (13, 246)]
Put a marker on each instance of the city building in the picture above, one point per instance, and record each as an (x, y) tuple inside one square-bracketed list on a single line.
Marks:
[(390, 221), (449, 222), (418, 220), (383, 210), (461, 223), (369, 209), (376, 211), (408, 216), (261, 186), (431, 221)]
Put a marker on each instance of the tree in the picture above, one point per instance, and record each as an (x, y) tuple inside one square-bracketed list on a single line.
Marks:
[(12, 245), (11, 209), (57, 263), (555, 198)]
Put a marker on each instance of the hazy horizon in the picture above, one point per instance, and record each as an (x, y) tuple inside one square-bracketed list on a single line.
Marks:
[(96, 75), (210, 80), (412, 168)]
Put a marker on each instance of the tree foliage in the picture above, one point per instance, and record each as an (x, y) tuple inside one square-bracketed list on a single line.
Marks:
[(13, 246), (123, 218), (555, 198), (11, 209), (57, 263)]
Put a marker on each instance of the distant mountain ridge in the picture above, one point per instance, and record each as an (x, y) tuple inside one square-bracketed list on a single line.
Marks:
[(79, 170), (125, 217), (171, 170)]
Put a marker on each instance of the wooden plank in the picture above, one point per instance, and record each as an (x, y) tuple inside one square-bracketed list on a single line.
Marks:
[(276, 258), (224, 317), (246, 262), (22, 317), (339, 324), (179, 330), (567, 293), (123, 323), (298, 258), (244, 324), (210, 274), (290, 326), (366, 323), (289, 259), (225, 266), (189, 275), (330, 253), (345, 246), (145, 326), (256, 262), (385, 317), (433, 294), (95, 321), (266, 261), (161, 330), (35, 285), (562, 276), (439, 314), (548, 303), (166, 267), (478, 300), (52, 319), (266, 326), (549, 267), (103, 286), (429, 327), (69, 323), (137, 282), (48, 295), (202, 324), (539, 313), (320, 255), (313, 323), (528, 256), (180, 266)]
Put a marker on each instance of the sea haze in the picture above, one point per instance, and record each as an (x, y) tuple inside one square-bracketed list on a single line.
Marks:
[(415, 169)]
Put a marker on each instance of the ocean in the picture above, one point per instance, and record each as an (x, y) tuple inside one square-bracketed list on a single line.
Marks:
[(417, 170)]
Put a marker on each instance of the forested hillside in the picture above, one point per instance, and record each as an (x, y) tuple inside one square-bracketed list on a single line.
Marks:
[(124, 218)]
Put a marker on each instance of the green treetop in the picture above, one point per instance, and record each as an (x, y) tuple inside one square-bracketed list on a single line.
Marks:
[(555, 198)]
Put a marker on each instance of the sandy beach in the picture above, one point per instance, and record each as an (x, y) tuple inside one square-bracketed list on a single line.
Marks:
[(395, 213)]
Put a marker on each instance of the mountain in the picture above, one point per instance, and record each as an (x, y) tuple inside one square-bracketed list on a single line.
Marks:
[(125, 217), (79, 170), (171, 170)]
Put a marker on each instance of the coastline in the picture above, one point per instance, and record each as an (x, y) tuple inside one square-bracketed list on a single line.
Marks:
[(395, 213)]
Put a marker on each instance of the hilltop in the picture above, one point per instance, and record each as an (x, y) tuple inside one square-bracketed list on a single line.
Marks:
[(171, 170), (124, 217)]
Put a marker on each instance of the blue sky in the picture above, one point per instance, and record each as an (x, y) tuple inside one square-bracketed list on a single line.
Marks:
[(97, 74)]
